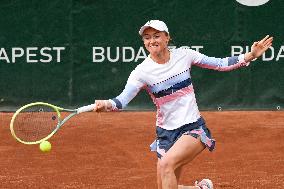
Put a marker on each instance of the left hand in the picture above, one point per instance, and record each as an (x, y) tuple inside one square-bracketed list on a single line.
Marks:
[(258, 48)]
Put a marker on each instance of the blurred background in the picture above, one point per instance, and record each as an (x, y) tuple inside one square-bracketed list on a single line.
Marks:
[(71, 52)]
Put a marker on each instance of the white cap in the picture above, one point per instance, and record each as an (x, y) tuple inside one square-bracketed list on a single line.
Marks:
[(156, 24)]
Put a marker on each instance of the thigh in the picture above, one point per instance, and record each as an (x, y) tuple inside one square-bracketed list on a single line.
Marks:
[(185, 149)]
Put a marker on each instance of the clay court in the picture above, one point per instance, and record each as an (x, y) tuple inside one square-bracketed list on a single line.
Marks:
[(111, 150)]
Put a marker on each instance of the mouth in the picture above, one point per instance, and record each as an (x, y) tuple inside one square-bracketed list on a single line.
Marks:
[(154, 46)]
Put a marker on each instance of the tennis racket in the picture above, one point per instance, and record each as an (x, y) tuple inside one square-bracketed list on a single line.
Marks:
[(37, 122)]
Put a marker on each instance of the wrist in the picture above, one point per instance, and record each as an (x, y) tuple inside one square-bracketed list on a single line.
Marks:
[(108, 105), (249, 57)]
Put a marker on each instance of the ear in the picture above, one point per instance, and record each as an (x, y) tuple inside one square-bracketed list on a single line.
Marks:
[(169, 38)]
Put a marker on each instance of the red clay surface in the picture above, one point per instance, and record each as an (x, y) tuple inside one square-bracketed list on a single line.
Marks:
[(111, 150)]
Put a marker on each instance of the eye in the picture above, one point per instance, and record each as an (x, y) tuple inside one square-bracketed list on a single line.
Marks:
[(146, 37), (156, 36)]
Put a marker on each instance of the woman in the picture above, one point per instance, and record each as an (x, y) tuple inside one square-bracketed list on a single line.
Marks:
[(165, 74)]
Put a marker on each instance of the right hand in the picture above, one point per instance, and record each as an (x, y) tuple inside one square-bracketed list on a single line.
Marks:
[(102, 106)]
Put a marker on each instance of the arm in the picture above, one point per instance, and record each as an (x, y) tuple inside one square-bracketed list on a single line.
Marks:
[(121, 101), (131, 89), (221, 64), (230, 63)]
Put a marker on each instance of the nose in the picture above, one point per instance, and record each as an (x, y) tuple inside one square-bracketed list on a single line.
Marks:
[(152, 40)]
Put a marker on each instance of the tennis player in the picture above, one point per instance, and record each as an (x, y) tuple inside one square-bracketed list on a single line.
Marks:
[(165, 74)]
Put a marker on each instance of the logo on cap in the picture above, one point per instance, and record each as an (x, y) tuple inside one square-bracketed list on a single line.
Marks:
[(149, 23)]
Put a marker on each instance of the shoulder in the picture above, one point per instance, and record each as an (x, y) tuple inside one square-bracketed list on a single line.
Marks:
[(184, 51), (186, 54), (140, 69), (144, 64)]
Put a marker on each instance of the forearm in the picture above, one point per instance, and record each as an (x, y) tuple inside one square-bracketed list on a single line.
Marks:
[(249, 57), (119, 102), (223, 64), (122, 100)]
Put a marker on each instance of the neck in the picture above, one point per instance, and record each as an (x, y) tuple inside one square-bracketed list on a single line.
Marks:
[(161, 57)]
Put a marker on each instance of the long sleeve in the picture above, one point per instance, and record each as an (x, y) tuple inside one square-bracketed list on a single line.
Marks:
[(132, 87), (219, 64)]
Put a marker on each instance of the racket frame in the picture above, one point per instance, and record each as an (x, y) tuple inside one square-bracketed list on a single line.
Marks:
[(59, 124)]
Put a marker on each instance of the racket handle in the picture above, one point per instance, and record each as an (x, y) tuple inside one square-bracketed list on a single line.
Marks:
[(87, 108)]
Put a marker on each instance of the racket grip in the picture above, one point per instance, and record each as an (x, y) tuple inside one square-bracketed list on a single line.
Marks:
[(87, 108)]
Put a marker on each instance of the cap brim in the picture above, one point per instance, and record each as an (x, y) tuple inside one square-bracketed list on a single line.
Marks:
[(142, 29)]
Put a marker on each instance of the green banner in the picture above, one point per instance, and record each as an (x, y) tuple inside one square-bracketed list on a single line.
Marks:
[(70, 53)]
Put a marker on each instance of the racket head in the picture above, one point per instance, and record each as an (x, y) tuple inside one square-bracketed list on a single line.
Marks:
[(35, 122)]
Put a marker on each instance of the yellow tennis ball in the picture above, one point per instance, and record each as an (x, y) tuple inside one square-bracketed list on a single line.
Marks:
[(45, 146)]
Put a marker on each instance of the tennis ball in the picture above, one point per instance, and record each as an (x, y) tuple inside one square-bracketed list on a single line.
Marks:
[(45, 146)]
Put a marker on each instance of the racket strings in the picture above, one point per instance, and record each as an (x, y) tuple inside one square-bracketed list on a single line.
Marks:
[(35, 123)]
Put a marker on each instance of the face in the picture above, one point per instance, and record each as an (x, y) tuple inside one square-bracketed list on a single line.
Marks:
[(156, 42)]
